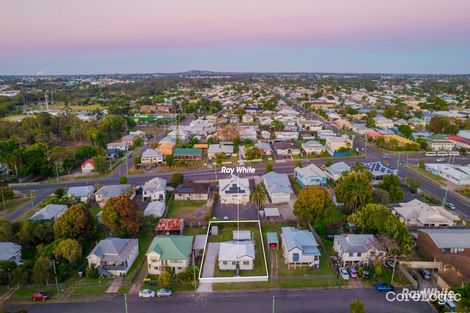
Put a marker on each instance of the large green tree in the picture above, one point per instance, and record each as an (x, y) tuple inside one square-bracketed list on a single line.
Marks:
[(42, 273), (377, 219), (76, 223), (391, 183), (122, 216), (68, 249), (259, 196), (354, 190), (312, 204)]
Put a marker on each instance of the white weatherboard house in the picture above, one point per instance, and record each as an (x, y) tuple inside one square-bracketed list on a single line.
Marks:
[(278, 187), (299, 248), (155, 209), (154, 189), (49, 213), (234, 190), (151, 158), (10, 251), (81, 193), (110, 191), (335, 171), (114, 255), (358, 248), (310, 175), (418, 213), (236, 254)]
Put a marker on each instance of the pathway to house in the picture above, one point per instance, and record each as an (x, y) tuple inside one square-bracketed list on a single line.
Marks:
[(114, 287), (209, 265), (7, 295), (274, 266)]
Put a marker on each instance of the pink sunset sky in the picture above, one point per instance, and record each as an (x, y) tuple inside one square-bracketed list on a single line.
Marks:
[(108, 33)]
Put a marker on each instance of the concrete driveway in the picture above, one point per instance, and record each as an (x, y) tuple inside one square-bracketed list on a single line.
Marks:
[(211, 259)]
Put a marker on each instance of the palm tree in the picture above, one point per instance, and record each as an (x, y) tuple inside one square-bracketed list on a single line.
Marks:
[(354, 190), (259, 196)]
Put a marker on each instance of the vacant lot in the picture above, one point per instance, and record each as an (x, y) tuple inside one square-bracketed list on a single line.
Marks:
[(189, 210)]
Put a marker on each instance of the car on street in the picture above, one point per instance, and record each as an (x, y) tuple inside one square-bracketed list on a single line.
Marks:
[(383, 287), (390, 263), (425, 274), (146, 293), (450, 206), (40, 295), (352, 272), (440, 160), (164, 292), (343, 273)]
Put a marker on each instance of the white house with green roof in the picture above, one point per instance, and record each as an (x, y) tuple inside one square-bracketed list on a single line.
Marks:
[(169, 251)]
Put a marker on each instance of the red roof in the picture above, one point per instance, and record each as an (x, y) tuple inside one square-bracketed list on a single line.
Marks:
[(89, 161), (459, 139), (169, 224), (373, 134)]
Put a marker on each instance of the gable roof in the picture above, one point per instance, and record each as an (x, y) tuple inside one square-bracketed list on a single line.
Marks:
[(449, 237), (113, 249), (236, 250), (172, 247), (49, 212), (80, 191), (113, 190), (8, 250), (310, 170), (277, 182), (193, 188), (234, 185), (358, 243), (301, 239)]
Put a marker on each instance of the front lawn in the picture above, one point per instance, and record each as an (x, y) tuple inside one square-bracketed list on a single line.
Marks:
[(144, 243)]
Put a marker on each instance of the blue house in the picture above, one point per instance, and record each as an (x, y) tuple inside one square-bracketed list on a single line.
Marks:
[(310, 175)]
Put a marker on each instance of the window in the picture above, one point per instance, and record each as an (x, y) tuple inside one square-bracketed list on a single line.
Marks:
[(351, 254), (246, 262), (295, 257), (224, 262), (359, 254)]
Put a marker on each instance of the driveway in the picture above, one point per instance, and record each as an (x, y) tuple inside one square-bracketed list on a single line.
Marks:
[(246, 211), (210, 260)]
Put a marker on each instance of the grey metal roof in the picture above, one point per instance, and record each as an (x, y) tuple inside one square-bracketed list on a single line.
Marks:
[(450, 238), (236, 250), (277, 182), (80, 191), (114, 249), (112, 190), (8, 250), (49, 212), (358, 243), (338, 168), (301, 239)]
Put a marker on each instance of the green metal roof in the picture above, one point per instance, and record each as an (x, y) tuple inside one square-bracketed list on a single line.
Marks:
[(172, 247), (272, 238), (187, 151)]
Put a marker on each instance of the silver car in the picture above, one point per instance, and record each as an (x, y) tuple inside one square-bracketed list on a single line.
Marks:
[(164, 292)]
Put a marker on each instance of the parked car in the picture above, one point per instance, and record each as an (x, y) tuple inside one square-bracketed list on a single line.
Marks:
[(40, 295), (450, 206), (440, 160), (352, 272), (343, 273), (425, 274), (365, 272), (390, 263), (146, 293), (383, 287), (164, 292)]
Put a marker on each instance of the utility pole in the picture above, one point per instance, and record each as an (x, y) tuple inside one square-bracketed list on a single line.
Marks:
[(3, 200), (55, 274), (445, 195), (365, 146), (398, 162), (274, 302), (394, 265), (125, 301), (56, 171)]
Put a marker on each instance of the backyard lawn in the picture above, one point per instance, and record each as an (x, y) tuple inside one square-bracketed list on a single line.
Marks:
[(189, 210)]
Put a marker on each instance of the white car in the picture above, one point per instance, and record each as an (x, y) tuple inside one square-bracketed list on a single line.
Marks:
[(440, 160), (344, 273), (146, 293)]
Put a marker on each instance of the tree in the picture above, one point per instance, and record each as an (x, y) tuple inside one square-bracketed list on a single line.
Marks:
[(6, 231), (259, 196), (176, 179), (123, 180), (122, 216), (100, 164), (391, 183), (405, 130), (138, 160), (381, 196), (377, 219), (464, 304), (413, 184), (68, 249), (170, 161), (42, 270), (312, 203), (7, 193), (59, 192), (76, 223), (277, 125), (33, 233), (354, 190), (228, 132), (357, 307), (269, 167), (164, 279)]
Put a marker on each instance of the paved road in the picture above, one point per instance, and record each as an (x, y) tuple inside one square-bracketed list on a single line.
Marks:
[(288, 301)]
